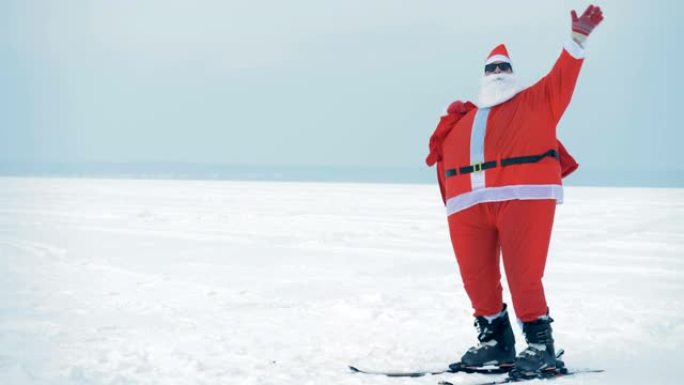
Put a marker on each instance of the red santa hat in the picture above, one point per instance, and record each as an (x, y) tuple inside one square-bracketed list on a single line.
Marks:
[(500, 54)]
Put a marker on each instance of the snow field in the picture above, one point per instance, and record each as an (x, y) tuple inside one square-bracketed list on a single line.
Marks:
[(226, 282)]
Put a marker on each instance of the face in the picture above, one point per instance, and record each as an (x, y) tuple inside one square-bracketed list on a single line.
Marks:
[(498, 67), (497, 85)]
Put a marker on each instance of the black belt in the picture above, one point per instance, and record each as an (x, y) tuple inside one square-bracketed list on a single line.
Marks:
[(504, 162)]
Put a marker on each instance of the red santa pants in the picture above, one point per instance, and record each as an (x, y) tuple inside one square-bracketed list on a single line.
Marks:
[(520, 230)]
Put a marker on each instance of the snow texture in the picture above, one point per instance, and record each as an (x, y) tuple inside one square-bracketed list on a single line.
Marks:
[(224, 282)]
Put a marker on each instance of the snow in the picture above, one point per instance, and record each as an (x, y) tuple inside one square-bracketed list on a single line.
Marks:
[(227, 282)]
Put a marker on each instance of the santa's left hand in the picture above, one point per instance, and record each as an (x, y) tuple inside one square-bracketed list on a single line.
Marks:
[(583, 25)]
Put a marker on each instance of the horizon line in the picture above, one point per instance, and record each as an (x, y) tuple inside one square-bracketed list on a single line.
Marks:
[(419, 174)]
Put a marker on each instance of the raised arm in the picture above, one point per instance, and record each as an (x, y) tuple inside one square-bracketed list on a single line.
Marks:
[(559, 84)]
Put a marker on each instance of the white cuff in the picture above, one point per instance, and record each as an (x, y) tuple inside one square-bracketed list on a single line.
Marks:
[(575, 50)]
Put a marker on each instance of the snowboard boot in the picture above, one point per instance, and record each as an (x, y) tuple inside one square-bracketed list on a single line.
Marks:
[(540, 355), (497, 344)]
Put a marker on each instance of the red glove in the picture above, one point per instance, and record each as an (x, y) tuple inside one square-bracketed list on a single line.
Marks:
[(583, 25)]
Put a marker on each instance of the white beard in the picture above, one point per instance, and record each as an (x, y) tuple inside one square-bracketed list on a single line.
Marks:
[(497, 88)]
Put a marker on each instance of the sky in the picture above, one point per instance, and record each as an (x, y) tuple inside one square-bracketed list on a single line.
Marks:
[(329, 84)]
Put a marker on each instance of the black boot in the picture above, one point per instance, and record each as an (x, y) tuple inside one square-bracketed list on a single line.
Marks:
[(497, 343), (540, 355)]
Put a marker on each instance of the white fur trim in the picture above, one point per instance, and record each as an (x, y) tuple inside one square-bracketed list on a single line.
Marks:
[(500, 58), (477, 143), (491, 318), (505, 193), (574, 49)]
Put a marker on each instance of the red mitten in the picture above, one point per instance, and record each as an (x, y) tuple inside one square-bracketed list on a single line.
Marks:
[(583, 25)]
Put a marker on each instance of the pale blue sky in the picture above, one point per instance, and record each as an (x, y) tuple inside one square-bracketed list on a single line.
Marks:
[(322, 83)]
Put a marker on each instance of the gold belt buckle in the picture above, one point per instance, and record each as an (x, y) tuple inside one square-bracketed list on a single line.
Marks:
[(477, 167)]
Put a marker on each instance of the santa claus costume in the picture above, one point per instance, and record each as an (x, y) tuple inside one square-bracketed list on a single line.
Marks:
[(499, 168)]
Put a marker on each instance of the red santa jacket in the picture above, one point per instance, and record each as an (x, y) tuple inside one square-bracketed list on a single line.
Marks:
[(510, 151)]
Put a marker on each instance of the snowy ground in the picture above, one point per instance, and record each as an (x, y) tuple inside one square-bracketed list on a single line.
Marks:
[(208, 282)]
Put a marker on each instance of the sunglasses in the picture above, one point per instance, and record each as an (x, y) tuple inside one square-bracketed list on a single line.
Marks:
[(503, 66)]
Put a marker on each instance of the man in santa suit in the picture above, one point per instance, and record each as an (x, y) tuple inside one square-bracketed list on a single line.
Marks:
[(500, 166)]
